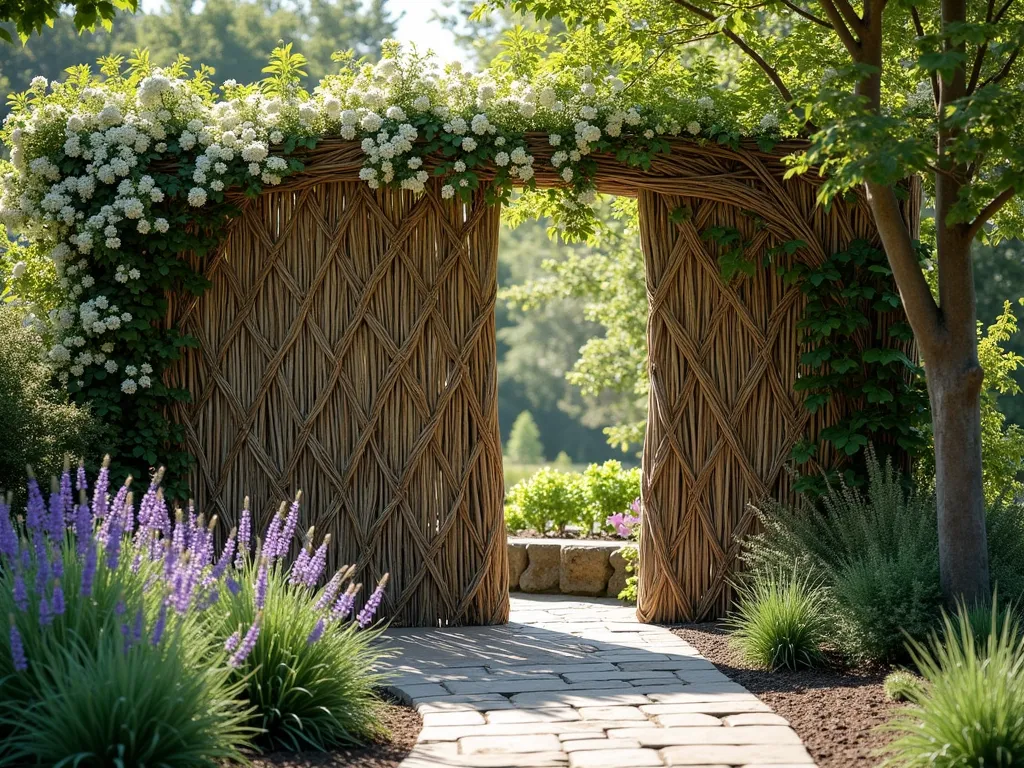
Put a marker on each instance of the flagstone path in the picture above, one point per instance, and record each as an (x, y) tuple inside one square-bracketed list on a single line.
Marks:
[(579, 683)]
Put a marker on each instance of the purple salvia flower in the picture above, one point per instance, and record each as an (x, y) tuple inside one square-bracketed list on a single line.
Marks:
[(284, 542), (81, 483), (99, 494), (244, 534), (57, 600), (247, 644), (42, 565), (88, 569), (232, 642), (55, 519), (343, 607), (225, 557), (233, 586), (317, 633), (274, 531), (160, 625), (126, 633), (331, 590), (365, 617), (57, 564), (45, 614), (17, 648), (113, 540), (298, 570), (317, 563), (8, 536), (261, 585), (26, 556), (20, 592), (83, 525), (178, 537), (35, 510), (66, 497)]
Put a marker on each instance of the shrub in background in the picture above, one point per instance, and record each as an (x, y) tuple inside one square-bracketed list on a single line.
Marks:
[(971, 710), (524, 445), (875, 554), (610, 490), (901, 685), (780, 621), (549, 498), (40, 426), (1004, 520)]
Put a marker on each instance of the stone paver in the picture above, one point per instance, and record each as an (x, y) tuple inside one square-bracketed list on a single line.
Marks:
[(578, 683)]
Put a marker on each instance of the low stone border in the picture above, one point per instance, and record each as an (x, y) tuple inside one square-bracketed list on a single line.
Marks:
[(585, 567)]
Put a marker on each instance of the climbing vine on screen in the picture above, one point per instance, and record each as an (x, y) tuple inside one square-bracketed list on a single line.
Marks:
[(842, 353)]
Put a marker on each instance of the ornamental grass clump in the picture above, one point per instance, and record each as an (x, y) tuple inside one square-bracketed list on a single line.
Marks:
[(780, 621), (110, 592), (970, 712)]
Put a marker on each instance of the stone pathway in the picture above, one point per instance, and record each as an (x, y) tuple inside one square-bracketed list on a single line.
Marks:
[(579, 683)]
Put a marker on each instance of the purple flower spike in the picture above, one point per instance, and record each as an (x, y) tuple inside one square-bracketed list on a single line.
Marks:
[(88, 569), (317, 563), (366, 615), (137, 628), (45, 614), (273, 533), (331, 590), (66, 497), (298, 574), (248, 643), (35, 510), (291, 522), (57, 600), (317, 633), (261, 585), (8, 536), (17, 648), (20, 592), (81, 483), (99, 494), (83, 525), (159, 626), (244, 534), (54, 523), (225, 557), (343, 608), (232, 642)]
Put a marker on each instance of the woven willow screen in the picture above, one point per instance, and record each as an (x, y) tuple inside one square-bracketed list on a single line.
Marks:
[(347, 348)]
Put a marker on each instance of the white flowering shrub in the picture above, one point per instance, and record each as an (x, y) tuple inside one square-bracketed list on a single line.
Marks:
[(114, 174)]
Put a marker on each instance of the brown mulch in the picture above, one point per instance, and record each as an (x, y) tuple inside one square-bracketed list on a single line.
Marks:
[(402, 724), (835, 711)]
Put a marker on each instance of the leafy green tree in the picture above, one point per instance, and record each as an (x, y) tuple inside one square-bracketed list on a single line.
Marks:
[(999, 275), (524, 445), (605, 278), (882, 91), (30, 16)]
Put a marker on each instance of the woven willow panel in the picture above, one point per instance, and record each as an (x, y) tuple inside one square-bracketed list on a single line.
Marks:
[(724, 356), (347, 349)]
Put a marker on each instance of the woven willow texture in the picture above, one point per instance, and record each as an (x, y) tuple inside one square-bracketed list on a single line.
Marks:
[(347, 349), (724, 356)]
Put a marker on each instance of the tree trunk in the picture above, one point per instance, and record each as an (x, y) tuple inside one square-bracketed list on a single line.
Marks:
[(954, 389)]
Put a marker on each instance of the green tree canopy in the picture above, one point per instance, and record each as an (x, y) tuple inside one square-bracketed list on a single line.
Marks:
[(30, 16)]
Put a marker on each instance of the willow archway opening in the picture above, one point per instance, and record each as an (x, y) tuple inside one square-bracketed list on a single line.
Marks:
[(347, 347)]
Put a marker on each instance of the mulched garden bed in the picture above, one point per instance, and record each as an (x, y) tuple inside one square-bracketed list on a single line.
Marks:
[(402, 724), (835, 711)]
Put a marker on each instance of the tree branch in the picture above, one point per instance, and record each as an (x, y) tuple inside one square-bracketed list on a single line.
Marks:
[(989, 211), (807, 14), (1004, 71), (851, 43), (742, 44), (922, 311), (919, 28), (979, 56), (855, 21)]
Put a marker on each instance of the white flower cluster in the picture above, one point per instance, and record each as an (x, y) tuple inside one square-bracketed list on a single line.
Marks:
[(88, 173)]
